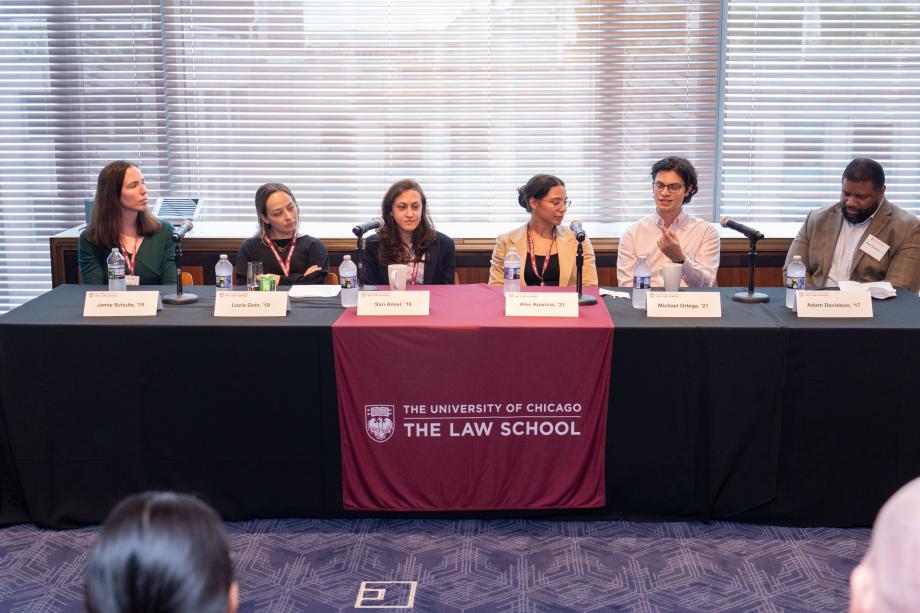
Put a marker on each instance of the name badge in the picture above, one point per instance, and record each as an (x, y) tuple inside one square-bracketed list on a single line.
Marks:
[(132, 280), (834, 304), (874, 248), (684, 304), (121, 304), (533, 304), (250, 304), (394, 303)]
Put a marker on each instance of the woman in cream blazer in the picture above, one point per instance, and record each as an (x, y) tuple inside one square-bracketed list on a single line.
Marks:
[(544, 197)]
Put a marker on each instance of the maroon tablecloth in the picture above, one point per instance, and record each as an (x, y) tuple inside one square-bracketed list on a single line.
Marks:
[(468, 409)]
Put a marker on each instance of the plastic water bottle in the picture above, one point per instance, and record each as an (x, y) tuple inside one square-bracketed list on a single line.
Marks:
[(512, 271), (116, 265), (795, 280), (223, 273), (642, 280), (348, 278)]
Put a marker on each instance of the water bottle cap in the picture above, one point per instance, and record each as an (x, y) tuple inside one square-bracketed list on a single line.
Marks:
[(347, 257), (796, 258), (223, 256)]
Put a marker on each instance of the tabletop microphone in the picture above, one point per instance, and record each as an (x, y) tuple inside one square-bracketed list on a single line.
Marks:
[(367, 226), (182, 230), (575, 227), (751, 233)]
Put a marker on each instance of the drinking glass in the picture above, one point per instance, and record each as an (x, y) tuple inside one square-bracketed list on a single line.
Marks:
[(253, 272)]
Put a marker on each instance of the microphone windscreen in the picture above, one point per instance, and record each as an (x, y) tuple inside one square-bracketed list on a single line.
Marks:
[(724, 221)]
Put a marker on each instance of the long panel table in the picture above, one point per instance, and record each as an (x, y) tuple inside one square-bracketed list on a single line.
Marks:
[(756, 416)]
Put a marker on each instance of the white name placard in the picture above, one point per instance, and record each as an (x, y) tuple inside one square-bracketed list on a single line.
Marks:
[(121, 304), (534, 304), (875, 247), (834, 304), (394, 303), (684, 304), (250, 304)]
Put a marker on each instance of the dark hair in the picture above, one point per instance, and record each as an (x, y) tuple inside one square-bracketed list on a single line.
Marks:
[(262, 195), (537, 187), (865, 169), (163, 552), (105, 223), (681, 166), (391, 247)]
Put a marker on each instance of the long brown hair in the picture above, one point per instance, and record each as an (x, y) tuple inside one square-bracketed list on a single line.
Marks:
[(105, 224), (262, 195), (391, 246)]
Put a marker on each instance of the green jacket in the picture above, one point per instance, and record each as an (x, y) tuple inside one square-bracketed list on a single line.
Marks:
[(155, 263)]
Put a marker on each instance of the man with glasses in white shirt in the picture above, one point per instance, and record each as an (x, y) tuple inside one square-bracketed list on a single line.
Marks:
[(863, 237), (669, 234)]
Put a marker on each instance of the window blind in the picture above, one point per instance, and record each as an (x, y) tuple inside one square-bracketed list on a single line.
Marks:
[(339, 99), (809, 86), (80, 85)]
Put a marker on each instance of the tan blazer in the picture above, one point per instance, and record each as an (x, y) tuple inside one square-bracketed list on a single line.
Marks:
[(897, 228), (566, 246)]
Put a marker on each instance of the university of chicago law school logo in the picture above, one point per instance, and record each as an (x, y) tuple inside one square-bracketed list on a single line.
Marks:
[(379, 421)]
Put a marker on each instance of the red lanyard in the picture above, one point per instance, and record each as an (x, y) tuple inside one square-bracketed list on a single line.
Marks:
[(533, 258), (130, 259), (286, 265), (413, 273)]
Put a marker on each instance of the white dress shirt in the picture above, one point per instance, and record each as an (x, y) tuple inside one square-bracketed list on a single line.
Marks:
[(699, 240), (844, 251)]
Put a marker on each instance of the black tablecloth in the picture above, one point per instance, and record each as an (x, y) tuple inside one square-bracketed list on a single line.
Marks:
[(755, 416), (241, 411)]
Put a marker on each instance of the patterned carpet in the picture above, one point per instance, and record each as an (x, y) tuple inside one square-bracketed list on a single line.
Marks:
[(480, 566)]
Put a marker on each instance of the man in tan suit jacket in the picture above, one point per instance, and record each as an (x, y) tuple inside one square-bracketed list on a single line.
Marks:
[(861, 238)]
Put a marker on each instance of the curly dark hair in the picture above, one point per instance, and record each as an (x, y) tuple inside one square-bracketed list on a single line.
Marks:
[(391, 247), (681, 166), (865, 169)]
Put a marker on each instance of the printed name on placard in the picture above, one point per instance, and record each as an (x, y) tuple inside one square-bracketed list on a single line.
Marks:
[(541, 304), (121, 304), (250, 304), (684, 304), (394, 303), (849, 304)]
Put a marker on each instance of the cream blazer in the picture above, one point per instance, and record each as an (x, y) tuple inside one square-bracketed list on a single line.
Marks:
[(566, 246)]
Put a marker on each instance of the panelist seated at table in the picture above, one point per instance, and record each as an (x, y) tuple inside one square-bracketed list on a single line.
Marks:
[(546, 248), (408, 237), (670, 235), (887, 580), (120, 219), (862, 237), (297, 259), (161, 551)]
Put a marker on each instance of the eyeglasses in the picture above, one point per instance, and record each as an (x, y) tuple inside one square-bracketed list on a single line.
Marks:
[(671, 187), (558, 204)]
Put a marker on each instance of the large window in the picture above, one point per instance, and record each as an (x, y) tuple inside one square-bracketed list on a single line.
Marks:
[(808, 86), (470, 97)]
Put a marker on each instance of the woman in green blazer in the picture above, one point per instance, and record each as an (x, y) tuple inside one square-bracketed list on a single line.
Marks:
[(121, 220)]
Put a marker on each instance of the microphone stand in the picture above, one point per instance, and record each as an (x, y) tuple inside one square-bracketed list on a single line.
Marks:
[(579, 262), (750, 296), (179, 297), (362, 255)]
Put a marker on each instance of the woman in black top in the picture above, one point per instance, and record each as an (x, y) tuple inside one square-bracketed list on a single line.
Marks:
[(295, 258), (408, 237)]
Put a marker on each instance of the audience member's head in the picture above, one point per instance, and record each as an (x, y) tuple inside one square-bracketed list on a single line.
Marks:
[(888, 578), (161, 552)]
